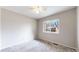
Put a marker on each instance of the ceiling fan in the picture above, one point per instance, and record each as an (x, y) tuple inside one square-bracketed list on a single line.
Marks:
[(38, 9)]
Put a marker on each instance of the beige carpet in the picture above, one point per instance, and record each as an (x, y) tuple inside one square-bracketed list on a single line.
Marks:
[(37, 46)]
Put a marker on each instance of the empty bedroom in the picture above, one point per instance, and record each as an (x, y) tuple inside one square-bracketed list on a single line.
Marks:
[(39, 29)]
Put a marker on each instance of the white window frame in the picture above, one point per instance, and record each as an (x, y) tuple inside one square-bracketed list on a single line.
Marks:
[(49, 21)]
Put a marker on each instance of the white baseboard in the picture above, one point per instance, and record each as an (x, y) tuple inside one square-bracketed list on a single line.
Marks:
[(58, 44)]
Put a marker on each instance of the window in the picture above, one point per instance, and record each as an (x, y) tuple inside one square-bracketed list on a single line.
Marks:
[(51, 26)]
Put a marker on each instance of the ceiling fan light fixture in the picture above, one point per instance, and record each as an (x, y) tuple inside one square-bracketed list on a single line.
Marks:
[(37, 9)]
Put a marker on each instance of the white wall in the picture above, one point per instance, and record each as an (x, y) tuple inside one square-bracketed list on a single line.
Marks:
[(78, 27), (68, 28), (0, 28), (16, 28)]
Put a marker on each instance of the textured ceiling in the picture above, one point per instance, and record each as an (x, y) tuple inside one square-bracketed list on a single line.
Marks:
[(26, 10)]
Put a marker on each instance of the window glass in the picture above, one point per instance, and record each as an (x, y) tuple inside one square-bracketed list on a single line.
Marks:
[(51, 26)]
